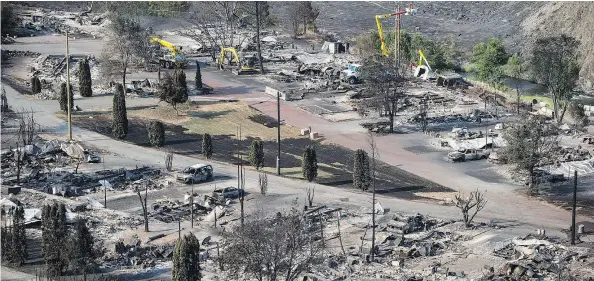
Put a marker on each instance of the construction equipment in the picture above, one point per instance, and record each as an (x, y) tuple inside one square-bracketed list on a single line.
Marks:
[(177, 58), (378, 20), (243, 64), (424, 71)]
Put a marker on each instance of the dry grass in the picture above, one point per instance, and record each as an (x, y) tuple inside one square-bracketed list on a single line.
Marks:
[(223, 118)]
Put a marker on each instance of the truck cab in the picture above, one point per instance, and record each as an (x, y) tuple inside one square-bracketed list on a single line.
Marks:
[(351, 74)]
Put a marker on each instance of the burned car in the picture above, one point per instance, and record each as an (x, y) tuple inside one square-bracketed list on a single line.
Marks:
[(195, 173), (228, 192)]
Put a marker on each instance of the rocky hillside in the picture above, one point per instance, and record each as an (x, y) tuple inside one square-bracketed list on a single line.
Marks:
[(572, 18)]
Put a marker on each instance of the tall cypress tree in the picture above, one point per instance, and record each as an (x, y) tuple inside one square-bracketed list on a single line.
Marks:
[(84, 78), (35, 85), (55, 253), (119, 127), (198, 76), (181, 86), (257, 154), (82, 253), (6, 238), (186, 265), (309, 163), (361, 175), (63, 98), (206, 146), (19, 239)]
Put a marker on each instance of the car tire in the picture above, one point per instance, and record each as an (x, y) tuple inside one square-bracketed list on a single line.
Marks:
[(167, 65), (190, 181), (352, 80)]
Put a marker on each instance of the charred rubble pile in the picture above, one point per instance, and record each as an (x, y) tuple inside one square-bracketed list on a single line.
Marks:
[(400, 238), (537, 258), (137, 256), (52, 167), (206, 208)]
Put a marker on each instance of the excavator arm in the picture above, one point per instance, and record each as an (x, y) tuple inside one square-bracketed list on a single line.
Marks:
[(228, 49), (170, 46)]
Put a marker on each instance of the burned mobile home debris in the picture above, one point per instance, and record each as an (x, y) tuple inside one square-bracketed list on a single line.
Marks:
[(363, 141)]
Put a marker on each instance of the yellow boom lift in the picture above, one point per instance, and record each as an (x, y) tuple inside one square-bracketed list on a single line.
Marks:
[(176, 58), (243, 65), (378, 20), (424, 71)]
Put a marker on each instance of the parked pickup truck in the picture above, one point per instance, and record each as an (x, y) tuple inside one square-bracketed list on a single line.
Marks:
[(462, 155), (195, 173)]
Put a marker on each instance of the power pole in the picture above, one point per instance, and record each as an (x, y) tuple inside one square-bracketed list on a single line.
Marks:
[(574, 207), (192, 208), (396, 41), (105, 187), (278, 137), (373, 156), (68, 90)]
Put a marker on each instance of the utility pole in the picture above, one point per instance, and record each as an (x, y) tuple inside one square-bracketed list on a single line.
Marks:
[(68, 90), (192, 208), (278, 138), (373, 156), (574, 207), (105, 187), (396, 37)]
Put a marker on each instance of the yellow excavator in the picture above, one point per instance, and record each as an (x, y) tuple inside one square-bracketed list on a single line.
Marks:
[(378, 20), (177, 58), (242, 65), (424, 71)]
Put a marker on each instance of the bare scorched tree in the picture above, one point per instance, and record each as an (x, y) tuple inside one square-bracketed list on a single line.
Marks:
[(217, 23), (272, 248), (126, 43), (385, 85), (470, 206)]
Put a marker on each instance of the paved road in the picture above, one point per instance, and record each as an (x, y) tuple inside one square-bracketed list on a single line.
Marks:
[(505, 203)]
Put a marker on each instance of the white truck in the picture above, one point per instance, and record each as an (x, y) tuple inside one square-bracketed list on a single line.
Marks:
[(195, 173), (467, 154), (351, 74)]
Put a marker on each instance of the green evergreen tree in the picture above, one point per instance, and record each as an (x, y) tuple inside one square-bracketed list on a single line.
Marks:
[(63, 100), (207, 146), (257, 154), (82, 253), (120, 118), (84, 78), (35, 85), (18, 247), (488, 60), (309, 163), (156, 133), (361, 175), (55, 254), (6, 241), (186, 265), (198, 76), (45, 227), (181, 85)]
